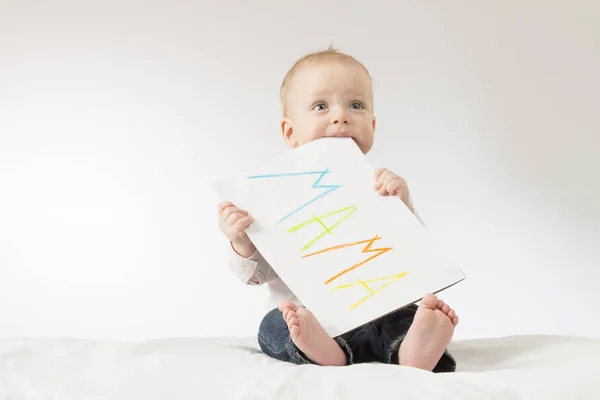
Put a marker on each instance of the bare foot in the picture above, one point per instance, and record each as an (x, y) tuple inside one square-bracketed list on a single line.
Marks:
[(310, 337), (429, 334)]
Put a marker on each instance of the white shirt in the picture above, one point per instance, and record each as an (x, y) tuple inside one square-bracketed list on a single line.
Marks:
[(255, 270)]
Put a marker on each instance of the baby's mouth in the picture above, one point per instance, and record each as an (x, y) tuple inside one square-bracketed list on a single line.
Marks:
[(340, 134)]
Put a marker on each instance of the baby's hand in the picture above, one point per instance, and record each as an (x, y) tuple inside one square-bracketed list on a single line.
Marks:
[(388, 183), (233, 223)]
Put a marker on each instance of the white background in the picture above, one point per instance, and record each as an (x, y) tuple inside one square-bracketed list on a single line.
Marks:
[(115, 117)]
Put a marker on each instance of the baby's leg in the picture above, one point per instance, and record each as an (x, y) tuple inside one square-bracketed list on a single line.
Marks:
[(274, 339), (310, 337)]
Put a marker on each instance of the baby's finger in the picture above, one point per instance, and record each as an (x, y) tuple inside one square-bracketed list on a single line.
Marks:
[(384, 176), (231, 210), (379, 182), (378, 173), (241, 224), (223, 205), (382, 185), (233, 218), (394, 186), (227, 211)]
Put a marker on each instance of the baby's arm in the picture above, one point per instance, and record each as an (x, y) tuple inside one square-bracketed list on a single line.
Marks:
[(253, 270), (245, 260)]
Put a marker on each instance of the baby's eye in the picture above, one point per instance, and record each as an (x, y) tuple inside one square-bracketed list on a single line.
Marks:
[(320, 107), (356, 106)]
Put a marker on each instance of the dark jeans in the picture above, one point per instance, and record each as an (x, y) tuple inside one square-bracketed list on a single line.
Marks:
[(376, 341)]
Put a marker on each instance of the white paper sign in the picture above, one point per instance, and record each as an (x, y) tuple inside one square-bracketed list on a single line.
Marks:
[(349, 254)]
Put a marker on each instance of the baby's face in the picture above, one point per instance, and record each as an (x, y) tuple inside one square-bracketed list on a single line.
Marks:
[(332, 98)]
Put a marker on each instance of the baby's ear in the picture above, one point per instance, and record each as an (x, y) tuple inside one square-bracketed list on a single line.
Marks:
[(287, 130)]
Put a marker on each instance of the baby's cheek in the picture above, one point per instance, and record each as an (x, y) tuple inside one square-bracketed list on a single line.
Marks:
[(316, 135)]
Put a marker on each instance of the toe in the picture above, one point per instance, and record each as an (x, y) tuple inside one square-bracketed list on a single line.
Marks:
[(429, 301), (287, 314), (455, 321), (451, 314), (446, 309), (294, 331), (292, 322), (440, 304), (287, 305)]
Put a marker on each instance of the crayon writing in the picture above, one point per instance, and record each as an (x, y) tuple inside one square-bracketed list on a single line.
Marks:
[(328, 230)]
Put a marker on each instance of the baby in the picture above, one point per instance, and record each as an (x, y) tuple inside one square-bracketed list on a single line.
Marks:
[(326, 94)]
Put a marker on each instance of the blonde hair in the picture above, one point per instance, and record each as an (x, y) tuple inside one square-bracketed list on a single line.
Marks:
[(330, 54)]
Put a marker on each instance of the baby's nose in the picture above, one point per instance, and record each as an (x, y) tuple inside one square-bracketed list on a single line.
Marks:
[(339, 117)]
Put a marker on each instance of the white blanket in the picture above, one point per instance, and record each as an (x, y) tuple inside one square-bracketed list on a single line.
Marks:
[(519, 367)]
